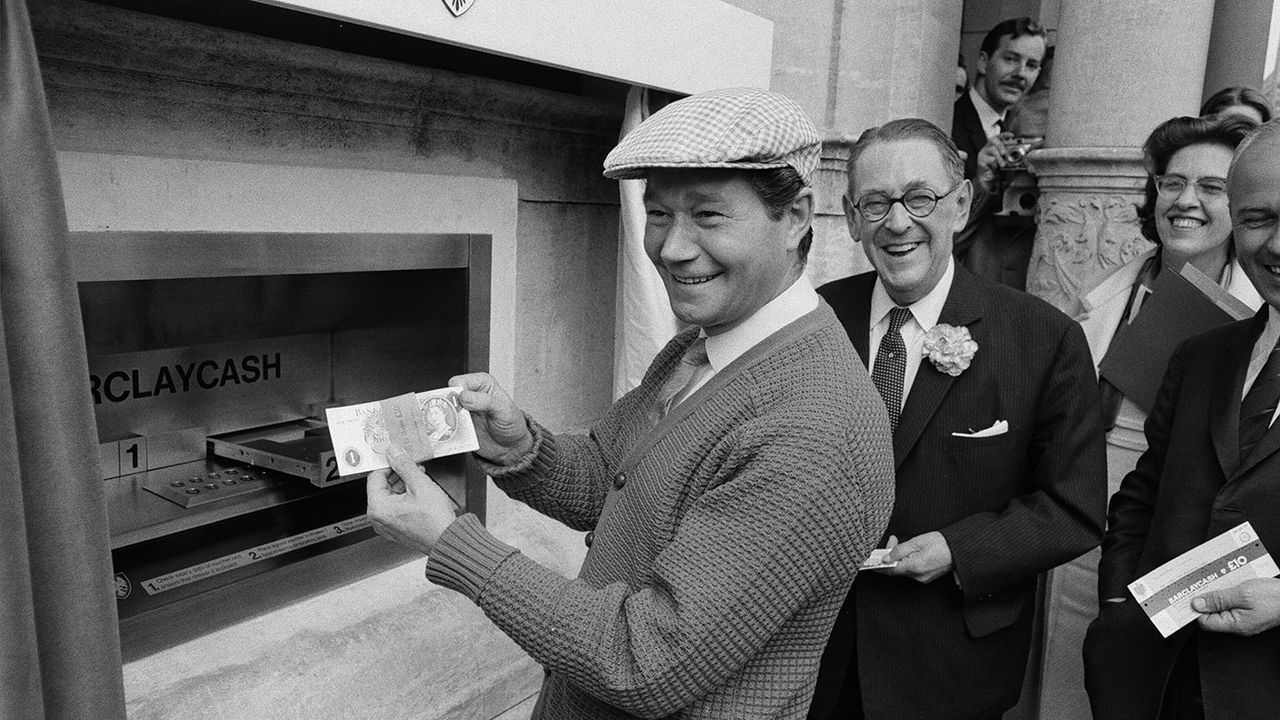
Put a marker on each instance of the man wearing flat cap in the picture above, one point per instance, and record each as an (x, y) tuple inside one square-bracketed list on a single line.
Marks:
[(731, 497)]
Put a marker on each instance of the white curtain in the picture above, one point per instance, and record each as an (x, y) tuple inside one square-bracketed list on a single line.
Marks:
[(644, 322)]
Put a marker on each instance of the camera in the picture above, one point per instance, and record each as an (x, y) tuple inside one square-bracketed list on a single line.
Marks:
[(1020, 194), (1016, 154)]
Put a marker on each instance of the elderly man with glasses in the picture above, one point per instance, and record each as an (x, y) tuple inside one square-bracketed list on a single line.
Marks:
[(998, 448)]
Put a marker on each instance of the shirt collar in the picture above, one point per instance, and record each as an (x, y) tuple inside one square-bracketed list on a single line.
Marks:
[(987, 115), (791, 304), (926, 310)]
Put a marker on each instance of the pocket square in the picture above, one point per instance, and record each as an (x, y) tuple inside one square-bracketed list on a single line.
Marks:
[(999, 427)]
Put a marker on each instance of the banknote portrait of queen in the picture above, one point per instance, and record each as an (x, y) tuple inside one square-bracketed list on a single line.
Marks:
[(440, 414)]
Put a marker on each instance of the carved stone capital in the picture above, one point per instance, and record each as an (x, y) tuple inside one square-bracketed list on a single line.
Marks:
[(1087, 223)]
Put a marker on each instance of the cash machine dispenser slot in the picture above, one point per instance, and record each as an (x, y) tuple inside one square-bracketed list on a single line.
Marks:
[(212, 357)]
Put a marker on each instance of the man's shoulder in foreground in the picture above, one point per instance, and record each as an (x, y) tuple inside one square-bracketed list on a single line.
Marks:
[(848, 288), (1220, 338), (812, 362)]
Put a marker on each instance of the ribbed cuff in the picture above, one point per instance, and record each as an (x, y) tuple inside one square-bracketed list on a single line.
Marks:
[(465, 556), (531, 466)]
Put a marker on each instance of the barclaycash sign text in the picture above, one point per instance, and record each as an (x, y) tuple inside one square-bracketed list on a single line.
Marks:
[(121, 385)]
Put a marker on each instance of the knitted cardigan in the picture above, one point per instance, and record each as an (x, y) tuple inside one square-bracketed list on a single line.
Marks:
[(725, 537)]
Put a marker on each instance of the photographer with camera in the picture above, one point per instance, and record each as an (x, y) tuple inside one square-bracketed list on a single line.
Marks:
[(996, 124), (1000, 163), (1009, 64)]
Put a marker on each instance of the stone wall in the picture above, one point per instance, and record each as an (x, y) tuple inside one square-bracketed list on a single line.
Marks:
[(129, 82), (125, 82)]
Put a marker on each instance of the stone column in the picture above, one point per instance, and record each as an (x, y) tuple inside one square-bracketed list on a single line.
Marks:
[(1238, 44), (1120, 69)]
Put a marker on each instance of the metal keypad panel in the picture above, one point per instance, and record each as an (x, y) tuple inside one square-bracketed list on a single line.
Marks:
[(192, 490)]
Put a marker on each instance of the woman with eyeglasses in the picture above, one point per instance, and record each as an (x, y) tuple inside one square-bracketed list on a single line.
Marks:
[(1186, 216)]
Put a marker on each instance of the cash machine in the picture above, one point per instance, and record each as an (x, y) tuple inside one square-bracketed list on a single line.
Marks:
[(212, 357)]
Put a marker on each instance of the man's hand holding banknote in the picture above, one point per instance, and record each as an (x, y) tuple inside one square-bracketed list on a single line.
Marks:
[(501, 428), (405, 504)]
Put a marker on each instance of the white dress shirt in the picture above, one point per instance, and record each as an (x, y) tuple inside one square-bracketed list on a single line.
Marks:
[(924, 315), (987, 115), (793, 303), (1261, 349)]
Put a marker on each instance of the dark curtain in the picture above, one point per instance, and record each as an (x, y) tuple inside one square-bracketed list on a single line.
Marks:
[(59, 642)]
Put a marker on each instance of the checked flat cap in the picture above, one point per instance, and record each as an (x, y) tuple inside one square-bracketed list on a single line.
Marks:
[(740, 128)]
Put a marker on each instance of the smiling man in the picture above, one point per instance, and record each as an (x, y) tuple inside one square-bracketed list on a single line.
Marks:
[(997, 442), (1212, 463), (731, 497)]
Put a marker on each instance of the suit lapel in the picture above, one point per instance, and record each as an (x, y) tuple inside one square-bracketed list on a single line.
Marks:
[(1270, 442), (1224, 404), (971, 127), (860, 312), (963, 307), (1266, 447), (977, 133)]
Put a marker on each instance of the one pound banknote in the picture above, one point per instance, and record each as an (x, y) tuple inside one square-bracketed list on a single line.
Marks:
[(423, 425)]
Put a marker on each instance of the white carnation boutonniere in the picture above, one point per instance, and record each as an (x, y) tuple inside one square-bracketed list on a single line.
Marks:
[(949, 348)]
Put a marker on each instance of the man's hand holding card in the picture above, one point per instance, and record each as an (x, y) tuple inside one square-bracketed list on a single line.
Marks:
[(1229, 559)]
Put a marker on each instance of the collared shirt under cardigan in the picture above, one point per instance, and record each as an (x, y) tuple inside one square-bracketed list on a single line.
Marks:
[(724, 348)]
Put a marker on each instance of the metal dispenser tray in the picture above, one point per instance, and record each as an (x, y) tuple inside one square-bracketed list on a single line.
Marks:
[(301, 449)]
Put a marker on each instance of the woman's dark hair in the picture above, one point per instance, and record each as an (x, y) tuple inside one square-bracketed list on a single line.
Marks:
[(777, 188), (1237, 95), (1175, 134)]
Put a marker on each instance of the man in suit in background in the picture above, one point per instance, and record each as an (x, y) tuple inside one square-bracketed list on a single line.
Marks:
[(998, 447), (1008, 65), (1212, 463), (997, 247)]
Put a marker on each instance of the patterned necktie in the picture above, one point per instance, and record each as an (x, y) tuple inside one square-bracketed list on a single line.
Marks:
[(1259, 404), (891, 364), (693, 366)]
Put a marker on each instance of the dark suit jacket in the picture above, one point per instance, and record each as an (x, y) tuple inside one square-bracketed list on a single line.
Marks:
[(1010, 506), (967, 132), (996, 248), (1190, 485)]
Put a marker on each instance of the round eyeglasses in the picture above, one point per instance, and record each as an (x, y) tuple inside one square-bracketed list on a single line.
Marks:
[(1206, 187), (920, 203)]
